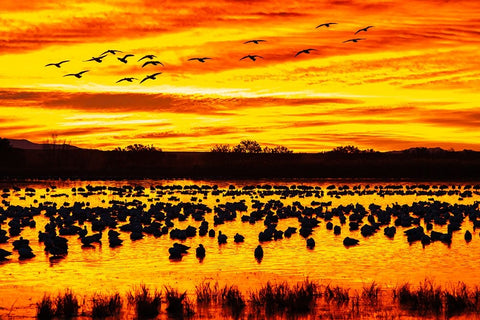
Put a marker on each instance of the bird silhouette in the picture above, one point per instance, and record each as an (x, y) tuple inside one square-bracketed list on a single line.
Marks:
[(124, 58), (148, 56), (307, 51), (152, 62), (354, 40), (97, 59), (255, 41), (129, 79), (252, 57), (76, 75), (199, 59), (363, 29), (151, 76), (58, 64), (328, 24), (112, 51)]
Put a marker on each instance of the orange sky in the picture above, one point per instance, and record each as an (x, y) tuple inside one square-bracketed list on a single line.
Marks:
[(412, 82)]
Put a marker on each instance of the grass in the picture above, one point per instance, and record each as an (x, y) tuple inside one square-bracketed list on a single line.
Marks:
[(371, 293), (207, 294), (45, 308), (147, 304), (336, 294), (106, 305), (67, 304), (232, 298), (178, 303)]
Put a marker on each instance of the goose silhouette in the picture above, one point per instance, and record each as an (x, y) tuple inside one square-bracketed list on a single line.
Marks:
[(124, 58), (151, 77), (354, 40), (97, 59), (58, 64), (307, 51), (152, 62), (112, 51), (199, 59), (328, 24), (252, 57), (256, 41), (76, 75), (363, 29), (129, 79), (148, 56)]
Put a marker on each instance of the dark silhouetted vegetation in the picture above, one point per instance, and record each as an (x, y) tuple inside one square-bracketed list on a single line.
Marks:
[(45, 308), (177, 303), (5, 145), (138, 148), (67, 305), (106, 305), (147, 304), (249, 146)]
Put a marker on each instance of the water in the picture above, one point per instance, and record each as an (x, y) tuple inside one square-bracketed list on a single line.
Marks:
[(103, 269)]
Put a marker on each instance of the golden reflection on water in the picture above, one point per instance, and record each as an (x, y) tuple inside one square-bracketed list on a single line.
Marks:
[(103, 269)]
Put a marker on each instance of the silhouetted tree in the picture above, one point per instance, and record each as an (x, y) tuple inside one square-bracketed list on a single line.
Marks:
[(137, 147), (346, 149), (248, 146), (277, 149), (224, 148)]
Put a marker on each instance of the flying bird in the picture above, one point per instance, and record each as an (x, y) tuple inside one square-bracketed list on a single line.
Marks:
[(148, 56), (199, 59), (328, 24), (307, 51), (129, 79), (97, 59), (151, 76), (363, 29), (57, 64), (252, 57), (76, 75), (354, 40), (255, 41), (152, 62), (111, 51), (124, 58)]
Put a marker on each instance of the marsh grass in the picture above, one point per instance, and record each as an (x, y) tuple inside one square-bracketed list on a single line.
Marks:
[(178, 303), (147, 304), (106, 305), (207, 294), (67, 305), (336, 294), (233, 299), (371, 293), (45, 308), (279, 298)]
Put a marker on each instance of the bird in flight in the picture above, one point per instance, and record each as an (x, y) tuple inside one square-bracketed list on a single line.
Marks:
[(111, 51), (255, 41), (97, 59), (307, 51), (129, 79), (151, 76), (76, 75), (124, 58), (199, 59), (354, 40), (328, 24), (148, 56), (252, 57), (152, 62), (363, 29), (57, 64)]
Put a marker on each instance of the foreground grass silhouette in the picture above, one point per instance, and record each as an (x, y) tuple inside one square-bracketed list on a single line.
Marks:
[(277, 300)]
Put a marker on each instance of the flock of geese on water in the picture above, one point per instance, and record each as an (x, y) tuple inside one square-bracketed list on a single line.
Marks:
[(149, 58)]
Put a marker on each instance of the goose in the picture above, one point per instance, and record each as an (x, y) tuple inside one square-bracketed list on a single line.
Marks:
[(77, 75), (363, 29), (124, 58), (307, 51), (58, 64), (151, 76)]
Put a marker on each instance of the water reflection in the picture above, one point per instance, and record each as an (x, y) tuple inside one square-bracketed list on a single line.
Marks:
[(99, 268)]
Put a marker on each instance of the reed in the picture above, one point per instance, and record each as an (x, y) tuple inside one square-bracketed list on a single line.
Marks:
[(106, 305), (147, 304), (67, 304), (459, 300), (232, 297), (427, 298), (178, 303), (371, 293), (336, 294), (206, 293), (45, 308)]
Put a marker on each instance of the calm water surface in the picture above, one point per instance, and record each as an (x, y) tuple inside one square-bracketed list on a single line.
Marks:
[(103, 269)]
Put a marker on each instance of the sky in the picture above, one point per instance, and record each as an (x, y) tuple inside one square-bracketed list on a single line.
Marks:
[(412, 81)]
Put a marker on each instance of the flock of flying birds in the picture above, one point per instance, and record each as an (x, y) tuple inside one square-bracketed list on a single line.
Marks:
[(149, 58)]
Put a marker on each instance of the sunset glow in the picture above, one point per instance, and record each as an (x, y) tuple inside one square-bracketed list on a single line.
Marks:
[(412, 82)]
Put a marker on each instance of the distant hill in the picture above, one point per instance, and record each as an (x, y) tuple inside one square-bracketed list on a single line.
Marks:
[(28, 145)]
